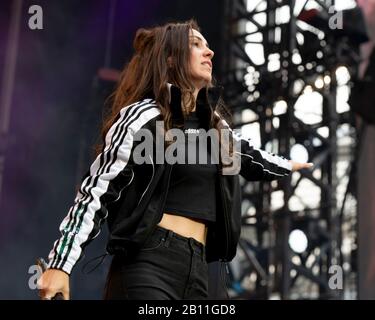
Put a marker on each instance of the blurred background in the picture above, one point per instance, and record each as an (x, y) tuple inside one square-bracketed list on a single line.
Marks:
[(299, 79)]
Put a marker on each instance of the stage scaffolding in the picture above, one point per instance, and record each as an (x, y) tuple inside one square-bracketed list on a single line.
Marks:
[(287, 69)]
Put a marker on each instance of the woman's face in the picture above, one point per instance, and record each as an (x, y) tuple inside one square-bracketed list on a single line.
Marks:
[(200, 60)]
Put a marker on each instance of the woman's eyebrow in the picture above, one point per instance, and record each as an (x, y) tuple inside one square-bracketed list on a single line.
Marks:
[(200, 39)]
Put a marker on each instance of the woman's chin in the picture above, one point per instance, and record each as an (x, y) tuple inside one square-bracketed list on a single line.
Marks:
[(202, 81), (206, 81)]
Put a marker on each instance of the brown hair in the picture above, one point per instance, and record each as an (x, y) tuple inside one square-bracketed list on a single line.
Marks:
[(149, 70)]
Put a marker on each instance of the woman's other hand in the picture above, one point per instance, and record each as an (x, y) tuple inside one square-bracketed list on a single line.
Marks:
[(52, 282)]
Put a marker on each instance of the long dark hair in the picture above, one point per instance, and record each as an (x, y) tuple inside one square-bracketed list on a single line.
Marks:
[(149, 70)]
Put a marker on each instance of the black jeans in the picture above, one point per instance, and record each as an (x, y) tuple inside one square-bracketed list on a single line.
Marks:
[(168, 267)]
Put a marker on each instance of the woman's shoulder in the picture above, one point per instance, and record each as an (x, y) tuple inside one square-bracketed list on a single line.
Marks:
[(143, 104), (142, 113), (144, 107)]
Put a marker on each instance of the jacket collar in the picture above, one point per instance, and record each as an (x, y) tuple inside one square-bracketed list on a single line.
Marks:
[(205, 105)]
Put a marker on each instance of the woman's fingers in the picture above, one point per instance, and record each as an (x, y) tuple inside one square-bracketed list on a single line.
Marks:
[(299, 166), (306, 165), (56, 294), (54, 284)]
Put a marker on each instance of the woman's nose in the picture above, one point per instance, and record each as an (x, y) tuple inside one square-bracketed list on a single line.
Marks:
[(210, 53)]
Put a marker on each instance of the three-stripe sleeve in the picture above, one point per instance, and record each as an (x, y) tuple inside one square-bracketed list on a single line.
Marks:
[(257, 164), (85, 217)]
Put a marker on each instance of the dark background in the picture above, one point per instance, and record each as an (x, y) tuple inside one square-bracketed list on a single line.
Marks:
[(56, 110)]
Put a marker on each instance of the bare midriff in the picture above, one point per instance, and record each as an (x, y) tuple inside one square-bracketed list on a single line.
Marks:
[(184, 226)]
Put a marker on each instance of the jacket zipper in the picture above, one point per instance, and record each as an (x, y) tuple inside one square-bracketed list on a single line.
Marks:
[(225, 218), (118, 197), (165, 198), (167, 188), (131, 180), (148, 186), (224, 261)]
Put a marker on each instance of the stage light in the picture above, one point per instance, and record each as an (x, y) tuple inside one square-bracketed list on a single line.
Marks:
[(309, 106), (276, 123), (248, 115), (327, 79), (296, 58), (344, 5), (323, 131), (308, 89), (298, 241), (319, 83), (280, 107), (299, 153), (342, 75), (273, 62)]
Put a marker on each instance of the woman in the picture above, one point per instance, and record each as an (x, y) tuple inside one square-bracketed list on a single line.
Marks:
[(165, 225)]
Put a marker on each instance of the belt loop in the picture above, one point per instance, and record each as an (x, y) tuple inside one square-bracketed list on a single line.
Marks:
[(169, 235)]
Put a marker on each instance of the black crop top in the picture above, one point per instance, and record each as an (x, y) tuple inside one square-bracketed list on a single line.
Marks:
[(192, 190)]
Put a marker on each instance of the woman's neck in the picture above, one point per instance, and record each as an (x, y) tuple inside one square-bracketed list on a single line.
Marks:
[(195, 94), (186, 99)]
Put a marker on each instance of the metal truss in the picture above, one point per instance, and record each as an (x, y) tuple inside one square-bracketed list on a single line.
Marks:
[(297, 61)]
